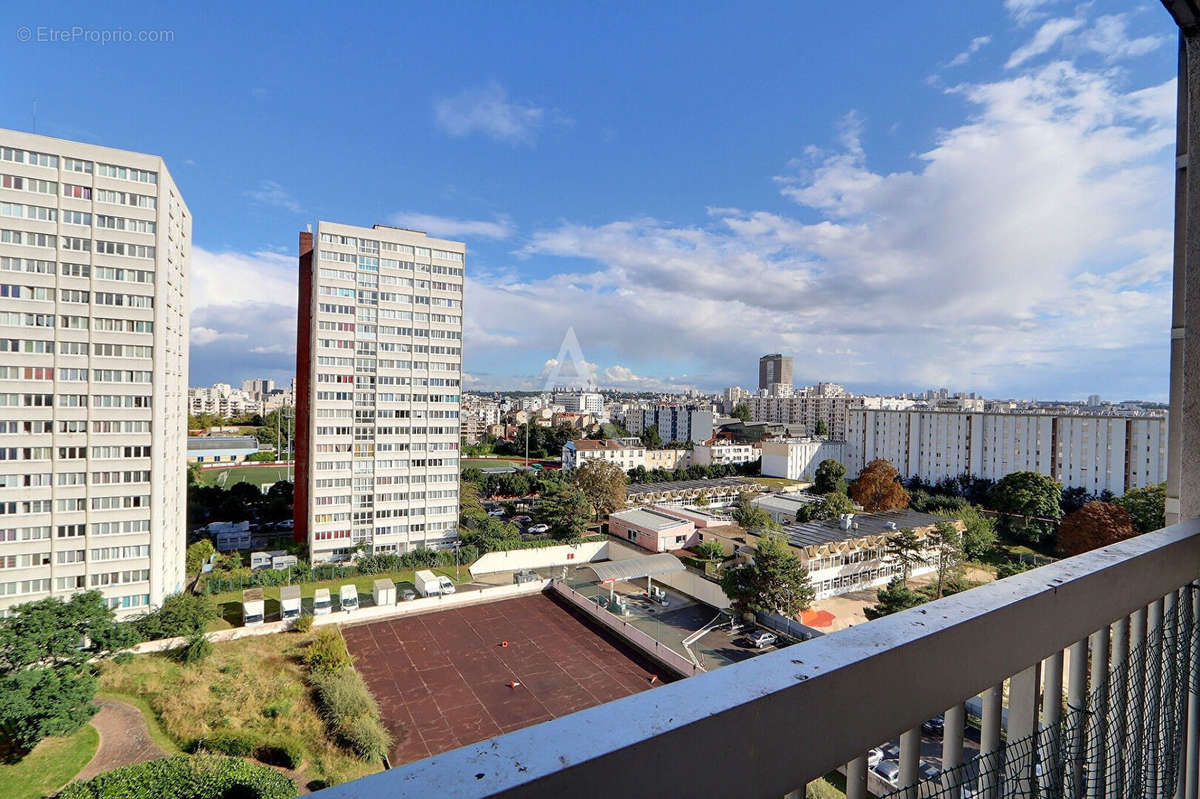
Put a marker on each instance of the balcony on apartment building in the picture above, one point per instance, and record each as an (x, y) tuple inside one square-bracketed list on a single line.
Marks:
[(1085, 673)]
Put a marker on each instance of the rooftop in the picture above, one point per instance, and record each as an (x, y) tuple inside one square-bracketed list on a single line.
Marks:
[(689, 485), (589, 445), (648, 518), (205, 443), (828, 531)]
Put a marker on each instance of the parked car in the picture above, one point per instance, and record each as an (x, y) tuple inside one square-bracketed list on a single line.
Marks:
[(446, 584), (540, 528), (761, 639), (890, 751), (934, 726), (874, 757), (408, 595), (522, 519), (497, 512), (927, 770), (889, 772)]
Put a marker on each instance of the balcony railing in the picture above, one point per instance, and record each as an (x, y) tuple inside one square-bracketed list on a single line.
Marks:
[(1097, 656)]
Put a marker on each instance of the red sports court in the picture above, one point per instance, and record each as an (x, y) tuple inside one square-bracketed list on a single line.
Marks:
[(445, 679)]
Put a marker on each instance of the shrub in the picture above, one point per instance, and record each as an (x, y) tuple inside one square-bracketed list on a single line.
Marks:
[(183, 777), (327, 653), (235, 743), (303, 623), (121, 658), (195, 650), (180, 614), (277, 709), (350, 713), (287, 753)]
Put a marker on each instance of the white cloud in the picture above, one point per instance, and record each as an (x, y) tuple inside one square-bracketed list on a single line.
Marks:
[(1027, 250), (1046, 37), (202, 336), (488, 110), (498, 228), (1025, 11), (977, 44), (271, 193), (1110, 38)]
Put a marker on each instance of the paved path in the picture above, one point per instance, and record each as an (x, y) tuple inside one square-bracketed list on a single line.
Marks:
[(124, 739)]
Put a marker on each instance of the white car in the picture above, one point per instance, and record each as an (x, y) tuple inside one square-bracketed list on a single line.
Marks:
[(497, 513), (874, 757), (446, 584), (762, 639), (540, 528)]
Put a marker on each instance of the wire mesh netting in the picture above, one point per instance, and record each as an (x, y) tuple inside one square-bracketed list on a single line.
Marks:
[(1126, 740)]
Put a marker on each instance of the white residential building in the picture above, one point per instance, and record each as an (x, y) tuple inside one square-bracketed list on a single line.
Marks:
[(222, 399), (825, 402), (95, 245), (580, 402), (627, 453), (379, 370), (725, 453), (1095, 452), (798, 458), (674, 422)]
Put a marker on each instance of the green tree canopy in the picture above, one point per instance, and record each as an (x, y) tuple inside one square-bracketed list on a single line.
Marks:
[(830, 506), (908, 550), (893, 598), (830, 477), (741, 411), (822, 429), (651, 438), (775, 582), (567, 510), (1029, 505), (979, 537), (752, 517), (947, 543), (1146, 507), (604, 485)]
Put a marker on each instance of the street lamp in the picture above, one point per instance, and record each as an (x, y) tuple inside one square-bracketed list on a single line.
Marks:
[(457, 544)]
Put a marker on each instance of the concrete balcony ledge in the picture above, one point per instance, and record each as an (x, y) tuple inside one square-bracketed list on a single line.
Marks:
[(767, 726)]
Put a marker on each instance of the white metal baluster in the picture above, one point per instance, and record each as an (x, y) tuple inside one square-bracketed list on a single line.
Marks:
[(910, 758), (1170, 702), (989, 743), (1097, 743), (952, 750), (1154, 651), (1050, 738), (1191, 753), (856, 778), (1022, 724), (1118, 694), (1137, 694), (1077, 658)]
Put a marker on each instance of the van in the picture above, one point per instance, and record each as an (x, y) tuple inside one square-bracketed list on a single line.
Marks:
[(321, 602), (348, 597), (446, 585)]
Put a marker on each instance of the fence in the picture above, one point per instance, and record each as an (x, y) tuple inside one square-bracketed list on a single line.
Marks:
[(293, 575)]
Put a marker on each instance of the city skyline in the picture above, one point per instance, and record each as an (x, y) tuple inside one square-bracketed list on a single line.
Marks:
[(816, 227)]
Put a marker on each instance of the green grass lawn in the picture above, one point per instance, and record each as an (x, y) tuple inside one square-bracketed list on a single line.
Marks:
[(229, 603), (256, 475), (157, 733), (771, 482), (52, 764), (255, 685), (483, 463)]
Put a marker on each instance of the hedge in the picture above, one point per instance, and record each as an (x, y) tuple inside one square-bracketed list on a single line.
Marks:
[(350, 712), (245, 743), (186, 777), (542, 543)]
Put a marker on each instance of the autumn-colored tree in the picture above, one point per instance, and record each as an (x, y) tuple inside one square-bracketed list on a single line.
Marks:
[(1096, 524), (603, 483), (878, 488)]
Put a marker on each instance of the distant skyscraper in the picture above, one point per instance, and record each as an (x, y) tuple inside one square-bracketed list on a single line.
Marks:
[(94, 252), (379, 369), (774, 369)]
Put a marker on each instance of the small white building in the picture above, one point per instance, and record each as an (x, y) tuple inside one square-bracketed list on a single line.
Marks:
[(798, 458), (725, 453), (782, 508), (627, 453)]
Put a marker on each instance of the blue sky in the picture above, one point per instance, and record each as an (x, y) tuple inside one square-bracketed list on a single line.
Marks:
[(971, 195)]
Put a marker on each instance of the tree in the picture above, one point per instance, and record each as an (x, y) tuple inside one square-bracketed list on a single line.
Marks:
[(741, 411), (979, 533), (1146, 507), (878, 488), (774, 583), (830, 506), (603, 483), (948, 552), (196, 554), (710, 550), (193, 473), (1074, 498), (1029, 504), (907, 549), (702, 501), (830, 477), (46, 682), (897, 596), (180, 614), (651, 438), (1096, 524), (752, 517), (566, 510), (822, 429)]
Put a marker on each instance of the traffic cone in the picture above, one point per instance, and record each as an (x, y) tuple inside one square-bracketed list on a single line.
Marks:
[(513, 684)]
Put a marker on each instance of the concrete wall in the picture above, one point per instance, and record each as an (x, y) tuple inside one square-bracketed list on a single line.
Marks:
[(542, 558)]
